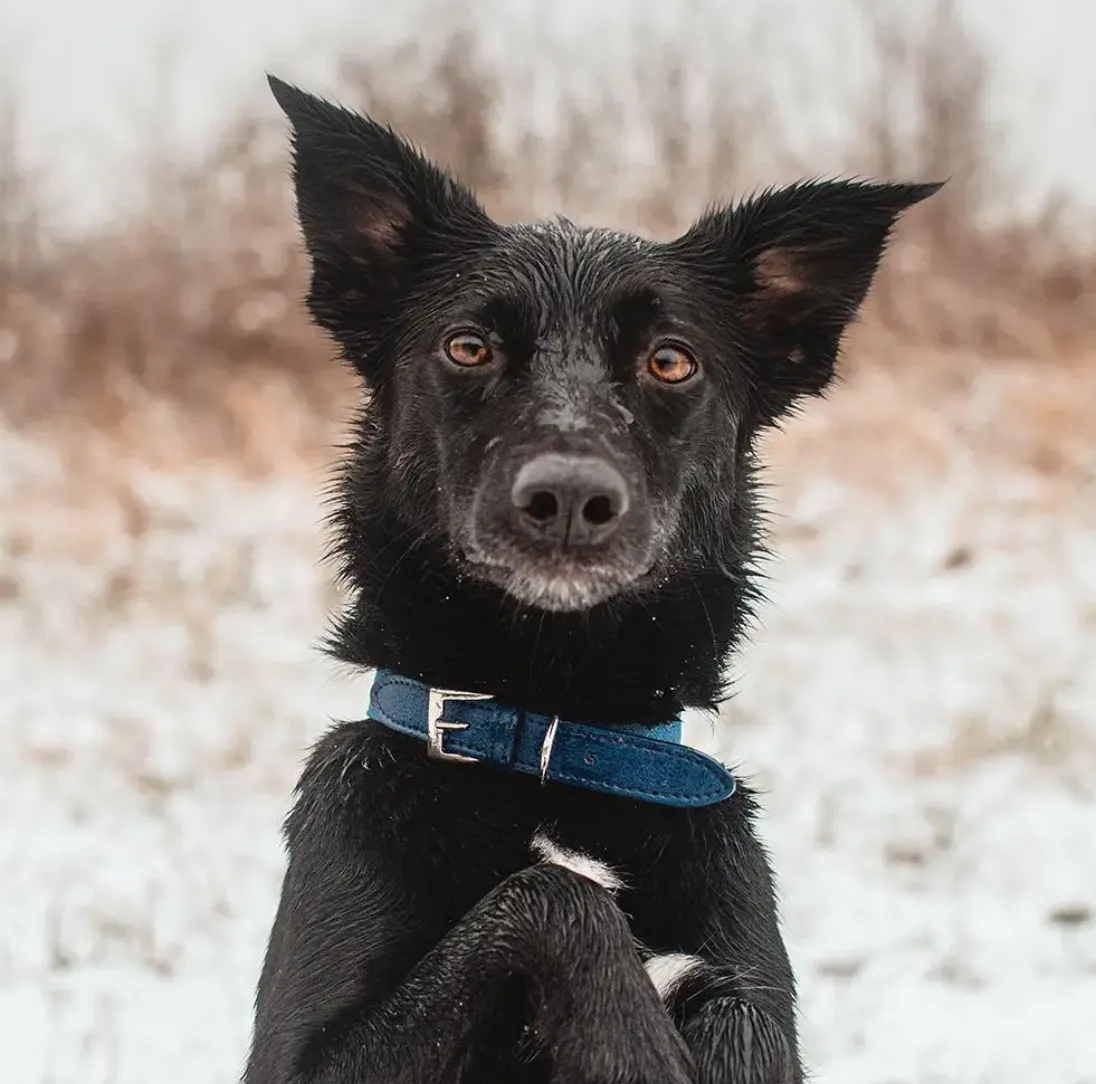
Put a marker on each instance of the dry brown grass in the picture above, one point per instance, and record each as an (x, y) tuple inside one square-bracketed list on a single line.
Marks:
[(178, 331)]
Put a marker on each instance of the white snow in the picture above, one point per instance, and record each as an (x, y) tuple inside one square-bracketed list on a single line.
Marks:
[(924, 735)]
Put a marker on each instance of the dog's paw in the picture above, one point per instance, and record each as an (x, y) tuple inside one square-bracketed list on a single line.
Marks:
[(622, 1050), (620, 1070), (734, 1042)]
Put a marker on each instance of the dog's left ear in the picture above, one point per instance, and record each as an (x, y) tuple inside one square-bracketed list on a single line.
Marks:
[(798, 262)]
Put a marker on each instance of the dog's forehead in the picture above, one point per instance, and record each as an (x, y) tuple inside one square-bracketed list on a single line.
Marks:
[(567, 237), (572, 273)]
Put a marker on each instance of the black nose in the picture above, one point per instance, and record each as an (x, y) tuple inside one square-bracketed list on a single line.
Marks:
[(569, 499)]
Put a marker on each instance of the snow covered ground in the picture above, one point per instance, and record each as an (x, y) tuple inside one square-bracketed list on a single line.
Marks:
[(918, 703)]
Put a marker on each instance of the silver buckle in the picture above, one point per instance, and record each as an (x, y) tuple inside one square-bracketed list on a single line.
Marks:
[(436, 726)]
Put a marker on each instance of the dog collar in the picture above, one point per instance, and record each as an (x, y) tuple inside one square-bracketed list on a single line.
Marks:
[(646, 763)]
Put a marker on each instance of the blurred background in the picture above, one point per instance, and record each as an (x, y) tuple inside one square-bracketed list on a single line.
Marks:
[(917, 701)]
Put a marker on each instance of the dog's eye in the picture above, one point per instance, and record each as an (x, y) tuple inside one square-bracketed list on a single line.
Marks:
[(672, 365), (467, 350)]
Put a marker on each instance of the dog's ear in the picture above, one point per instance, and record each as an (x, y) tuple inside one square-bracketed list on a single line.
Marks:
[(370, 208), (798, 262)]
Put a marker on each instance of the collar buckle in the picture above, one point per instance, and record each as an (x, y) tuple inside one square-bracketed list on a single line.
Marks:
[(436, 726)]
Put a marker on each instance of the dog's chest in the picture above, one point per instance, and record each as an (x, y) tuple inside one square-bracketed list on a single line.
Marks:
[(465, 830)]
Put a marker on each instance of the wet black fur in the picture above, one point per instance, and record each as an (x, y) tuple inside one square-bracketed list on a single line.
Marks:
[(418, 938)]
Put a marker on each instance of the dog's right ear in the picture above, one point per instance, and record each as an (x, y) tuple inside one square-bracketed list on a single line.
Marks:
[(368, 205)]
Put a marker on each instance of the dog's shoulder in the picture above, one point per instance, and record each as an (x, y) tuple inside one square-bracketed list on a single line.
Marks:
[(341, 774), (343, 754)]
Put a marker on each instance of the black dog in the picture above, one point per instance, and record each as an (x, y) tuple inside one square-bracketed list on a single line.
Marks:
[(551, 503)]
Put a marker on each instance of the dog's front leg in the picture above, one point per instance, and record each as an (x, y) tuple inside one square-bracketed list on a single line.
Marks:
[(546, 931), (593, 1012), (596, 1015)]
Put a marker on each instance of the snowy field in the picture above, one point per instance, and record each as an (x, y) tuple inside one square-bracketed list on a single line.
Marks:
[(918, 704)]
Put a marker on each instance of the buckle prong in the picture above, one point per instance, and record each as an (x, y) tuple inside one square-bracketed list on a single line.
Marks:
[(436, 726), (546, 748)]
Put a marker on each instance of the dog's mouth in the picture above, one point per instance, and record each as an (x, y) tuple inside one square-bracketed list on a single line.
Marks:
[(556, 583)]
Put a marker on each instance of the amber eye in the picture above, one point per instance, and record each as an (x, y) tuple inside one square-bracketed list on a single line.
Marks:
[(672, 365), (467, 350)]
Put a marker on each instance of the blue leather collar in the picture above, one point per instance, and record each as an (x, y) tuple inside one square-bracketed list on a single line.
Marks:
[(648, 764)]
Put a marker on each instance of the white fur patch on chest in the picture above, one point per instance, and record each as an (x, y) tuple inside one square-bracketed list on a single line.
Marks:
[(670, 970), (590, 868)]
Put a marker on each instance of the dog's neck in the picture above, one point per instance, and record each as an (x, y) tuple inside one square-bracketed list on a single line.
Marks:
[(641, 659)]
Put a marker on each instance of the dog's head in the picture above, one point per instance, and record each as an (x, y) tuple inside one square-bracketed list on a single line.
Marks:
[(566, 410)]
